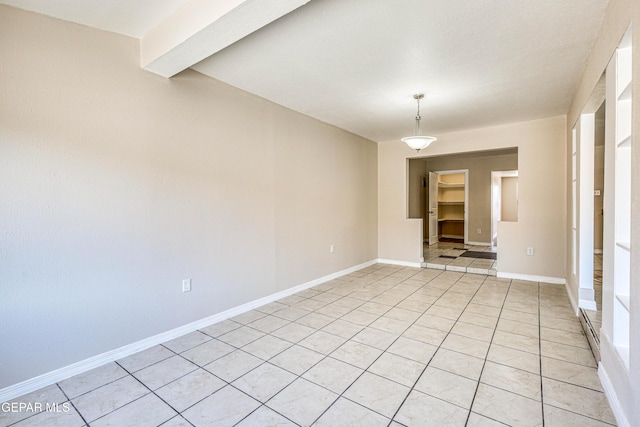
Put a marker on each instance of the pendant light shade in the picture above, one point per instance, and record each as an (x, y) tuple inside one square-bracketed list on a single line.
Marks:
[(418, 141)]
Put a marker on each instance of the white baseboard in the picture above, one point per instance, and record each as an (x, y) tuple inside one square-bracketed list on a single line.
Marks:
[(402, 263), (610, 392), (532, 278), (572, 299), (469, 242), (63, 373)]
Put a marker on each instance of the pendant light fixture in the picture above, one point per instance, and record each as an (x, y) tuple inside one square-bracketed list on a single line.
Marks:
[(418, 141)]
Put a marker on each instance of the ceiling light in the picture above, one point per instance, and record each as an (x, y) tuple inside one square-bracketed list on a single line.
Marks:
[(418, 141)]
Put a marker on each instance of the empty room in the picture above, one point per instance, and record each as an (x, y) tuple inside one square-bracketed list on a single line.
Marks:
[(319, 213)]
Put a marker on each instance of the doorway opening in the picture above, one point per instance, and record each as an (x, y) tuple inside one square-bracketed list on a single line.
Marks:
[(504, 200), (448, 196), (467, 219)]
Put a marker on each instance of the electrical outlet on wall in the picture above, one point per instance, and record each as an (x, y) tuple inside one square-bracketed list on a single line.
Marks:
[(479, 231), (530, 251)]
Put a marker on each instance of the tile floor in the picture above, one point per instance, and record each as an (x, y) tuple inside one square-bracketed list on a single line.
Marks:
[(438, 257), (386, 345)]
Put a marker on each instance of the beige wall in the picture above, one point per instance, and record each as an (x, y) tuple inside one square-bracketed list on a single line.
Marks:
[(542, 210), (626, 385), (116, 184)]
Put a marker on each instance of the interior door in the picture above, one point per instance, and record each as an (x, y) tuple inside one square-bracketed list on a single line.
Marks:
[(433, 208)]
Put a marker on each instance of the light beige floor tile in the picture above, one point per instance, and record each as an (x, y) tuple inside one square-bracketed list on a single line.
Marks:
[(322, 342), (375, 338), (378, 394), (521, 306), (293, 332), (478, 319), (506, 407), (155, 376), (568, 353), (267, 347), (241, 336), (190, 389), (333, 310), (516, 341), (268, 324), (435, 322), (413, 349), (556, 417), (248, 317), (271, 308), (402, 314), (342, 328), (144, 358), (185, 342), (224, 408), (207, 352), (477, 420), (515, 358), (425, 334), (233, 365), (264, 416), (450, 387), (67, 417), (485, 310), (564, 337), (50, 394), (519, 316), (91, 380), (591, 403), (146, 411), (333, 374), (108, 398), (511, 379), (347, 413), (375, 308), (572, 373), (297, 359), (458, 363), (310, 304), (291, 313), (349, 302), (440, 413), (565, 325), (357, 354), (466, 345), (315, 320), (418, 305), (264, 382), (220, 328), (473, 331), (302, 401), (326, 297), (390, 325), (516, 327), (397, 368), (446, 312)]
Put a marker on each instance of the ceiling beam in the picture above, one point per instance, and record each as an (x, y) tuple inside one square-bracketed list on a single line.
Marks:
[(201, 28)]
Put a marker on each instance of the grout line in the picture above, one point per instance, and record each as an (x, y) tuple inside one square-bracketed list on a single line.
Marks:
[(487, 355)]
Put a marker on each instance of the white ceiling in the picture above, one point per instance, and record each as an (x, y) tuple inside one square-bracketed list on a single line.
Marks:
[(357, 63)]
